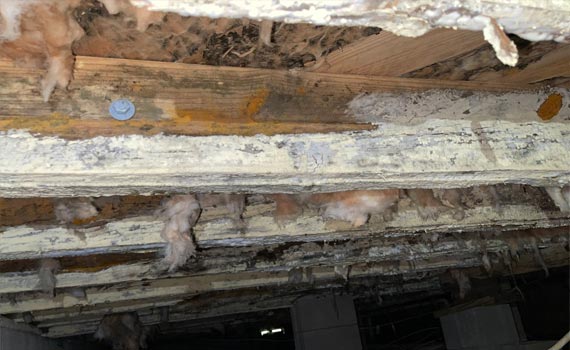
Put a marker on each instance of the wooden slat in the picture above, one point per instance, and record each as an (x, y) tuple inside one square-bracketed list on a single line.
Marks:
[(390, 256), (185, 99), (388, 54), (172, 288), (140, 234)]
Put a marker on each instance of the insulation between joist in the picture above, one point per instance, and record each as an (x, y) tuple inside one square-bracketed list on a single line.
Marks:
[(143, 233)]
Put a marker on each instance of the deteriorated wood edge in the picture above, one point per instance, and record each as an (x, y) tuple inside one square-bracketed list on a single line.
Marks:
[(395, 256), (143, 233)]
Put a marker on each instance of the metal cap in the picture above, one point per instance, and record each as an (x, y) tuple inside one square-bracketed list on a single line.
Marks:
[(122, 109)]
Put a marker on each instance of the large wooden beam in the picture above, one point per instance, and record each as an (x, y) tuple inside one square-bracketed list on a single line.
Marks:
[(387, 54), (182, 99), (198, 100), (443, 153)]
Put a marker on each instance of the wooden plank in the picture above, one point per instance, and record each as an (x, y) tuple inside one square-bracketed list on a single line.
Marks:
[(396, 253), (141, 234), (420, 258), (201, 306), (171, 288), (184, 99), (396, 259), (448, 154), (388, 54), (216, 305)]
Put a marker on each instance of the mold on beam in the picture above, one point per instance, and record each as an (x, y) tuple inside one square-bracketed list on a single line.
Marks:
[(436, 154)]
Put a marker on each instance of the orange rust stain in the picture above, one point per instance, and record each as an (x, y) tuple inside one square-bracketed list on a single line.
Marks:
[(182, 122), (84, 221), (300, 90), (254, 103), (193, 115), (550, 107)]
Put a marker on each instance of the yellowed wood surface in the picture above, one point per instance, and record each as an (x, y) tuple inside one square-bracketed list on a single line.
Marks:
[(388, 54), (184, 99)]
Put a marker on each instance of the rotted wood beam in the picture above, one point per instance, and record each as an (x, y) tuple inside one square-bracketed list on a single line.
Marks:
[(122, 283), (142, 234)]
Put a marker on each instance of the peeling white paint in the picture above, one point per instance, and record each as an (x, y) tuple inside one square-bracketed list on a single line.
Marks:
[(436, 153)]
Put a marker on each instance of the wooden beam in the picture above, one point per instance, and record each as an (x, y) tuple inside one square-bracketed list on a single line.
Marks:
[(178, 288), (182, 99), (432, 155), (419, 259), (387, 54), (393, 253), (247, 300), (220, 304), (142, 234)]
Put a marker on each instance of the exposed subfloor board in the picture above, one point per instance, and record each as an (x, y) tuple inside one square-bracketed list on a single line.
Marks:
[(387, 54), (553, 64), (528, 19), (142, 234)]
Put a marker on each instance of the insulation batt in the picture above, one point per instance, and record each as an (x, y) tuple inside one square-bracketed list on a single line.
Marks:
[(39, 34), (354, 206), (181, 213), (143, 17), (75, 210), (46, 275), (123, 331), (288, 207)]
